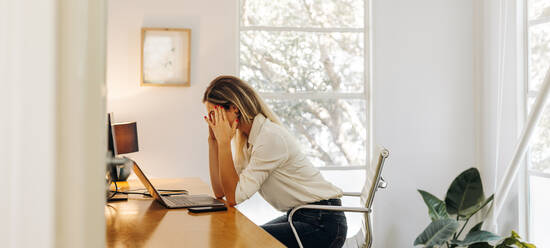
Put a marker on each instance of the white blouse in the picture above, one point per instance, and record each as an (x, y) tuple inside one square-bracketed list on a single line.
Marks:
[(277, 168)]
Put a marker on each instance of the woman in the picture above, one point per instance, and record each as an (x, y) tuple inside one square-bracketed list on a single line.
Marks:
[(267, 160)]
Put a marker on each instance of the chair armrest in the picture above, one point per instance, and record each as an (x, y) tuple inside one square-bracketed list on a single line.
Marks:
[(329, 208), (358, 194), (322, 207)]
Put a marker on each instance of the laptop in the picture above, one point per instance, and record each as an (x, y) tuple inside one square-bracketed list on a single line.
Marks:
[(180, 201)]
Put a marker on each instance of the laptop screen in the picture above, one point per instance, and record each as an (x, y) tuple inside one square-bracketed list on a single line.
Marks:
[(145, 181)]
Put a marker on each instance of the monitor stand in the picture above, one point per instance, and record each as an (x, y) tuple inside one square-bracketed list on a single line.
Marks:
[(118, 197)]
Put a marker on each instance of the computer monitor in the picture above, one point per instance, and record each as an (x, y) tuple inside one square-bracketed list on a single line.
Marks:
[(111, 135)]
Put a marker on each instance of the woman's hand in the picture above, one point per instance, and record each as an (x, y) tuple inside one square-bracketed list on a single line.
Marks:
[(211, 136), (220, 127)]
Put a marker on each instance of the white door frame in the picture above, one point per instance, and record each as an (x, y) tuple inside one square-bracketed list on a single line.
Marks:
[(52, 132)]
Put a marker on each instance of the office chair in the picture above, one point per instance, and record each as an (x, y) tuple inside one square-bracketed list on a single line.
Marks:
[(373, 182)]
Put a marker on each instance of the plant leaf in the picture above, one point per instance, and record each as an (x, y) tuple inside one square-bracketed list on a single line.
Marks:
[(480, 206), (465, 193), (478, 237), (514, 239), (477, 227), (481, 245), (437, 233), (503, 246), (436, 208)]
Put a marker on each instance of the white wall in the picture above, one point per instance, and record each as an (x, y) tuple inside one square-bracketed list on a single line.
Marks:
[(423, 95), (171, 130), (423, 107)]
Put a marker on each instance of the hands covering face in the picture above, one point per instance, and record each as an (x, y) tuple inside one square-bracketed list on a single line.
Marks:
[(220, 128)]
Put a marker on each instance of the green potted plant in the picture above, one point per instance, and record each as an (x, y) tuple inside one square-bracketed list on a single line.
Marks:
[(465, 198)]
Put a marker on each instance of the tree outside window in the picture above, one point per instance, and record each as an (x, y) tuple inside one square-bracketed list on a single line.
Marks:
[(307, 59), (538, 59)]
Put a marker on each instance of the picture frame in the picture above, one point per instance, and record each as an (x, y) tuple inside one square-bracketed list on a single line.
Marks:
[(165, 57)]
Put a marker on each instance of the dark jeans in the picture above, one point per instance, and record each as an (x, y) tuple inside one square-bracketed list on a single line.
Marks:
[(316, 228)]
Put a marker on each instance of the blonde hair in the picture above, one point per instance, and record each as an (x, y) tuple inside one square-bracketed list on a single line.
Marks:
[(229, 90)]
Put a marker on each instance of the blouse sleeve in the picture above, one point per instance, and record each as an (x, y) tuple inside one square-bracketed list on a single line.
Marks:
[(268, 154)]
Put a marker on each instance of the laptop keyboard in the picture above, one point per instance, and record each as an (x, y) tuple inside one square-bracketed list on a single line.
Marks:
[(178, 201)]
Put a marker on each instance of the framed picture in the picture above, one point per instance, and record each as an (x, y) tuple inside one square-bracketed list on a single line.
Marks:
[(165, 57)]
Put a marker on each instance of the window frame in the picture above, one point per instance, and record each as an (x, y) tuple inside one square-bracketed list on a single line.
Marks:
[(531, 93), (367, 77), (523, 110)]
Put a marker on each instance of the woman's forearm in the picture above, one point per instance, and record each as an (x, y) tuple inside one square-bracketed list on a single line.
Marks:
[(228, 175), (214, 169)]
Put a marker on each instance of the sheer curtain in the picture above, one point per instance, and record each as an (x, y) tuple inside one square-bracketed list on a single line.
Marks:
[(499, 105)]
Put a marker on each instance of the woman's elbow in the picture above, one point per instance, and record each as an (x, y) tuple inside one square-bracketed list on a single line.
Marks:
[(231, 200), (231, 203)]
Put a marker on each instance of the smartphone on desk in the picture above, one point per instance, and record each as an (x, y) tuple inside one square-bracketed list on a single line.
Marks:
[(207, 209)]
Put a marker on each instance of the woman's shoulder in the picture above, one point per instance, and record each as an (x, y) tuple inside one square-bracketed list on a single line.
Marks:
[(272, 132), (276, 134)]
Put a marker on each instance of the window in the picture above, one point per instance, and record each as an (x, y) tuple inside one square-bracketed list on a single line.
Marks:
[(308, 60), (538, 32)]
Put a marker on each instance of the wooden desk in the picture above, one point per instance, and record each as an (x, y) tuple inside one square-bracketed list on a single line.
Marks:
[(143, 222)]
